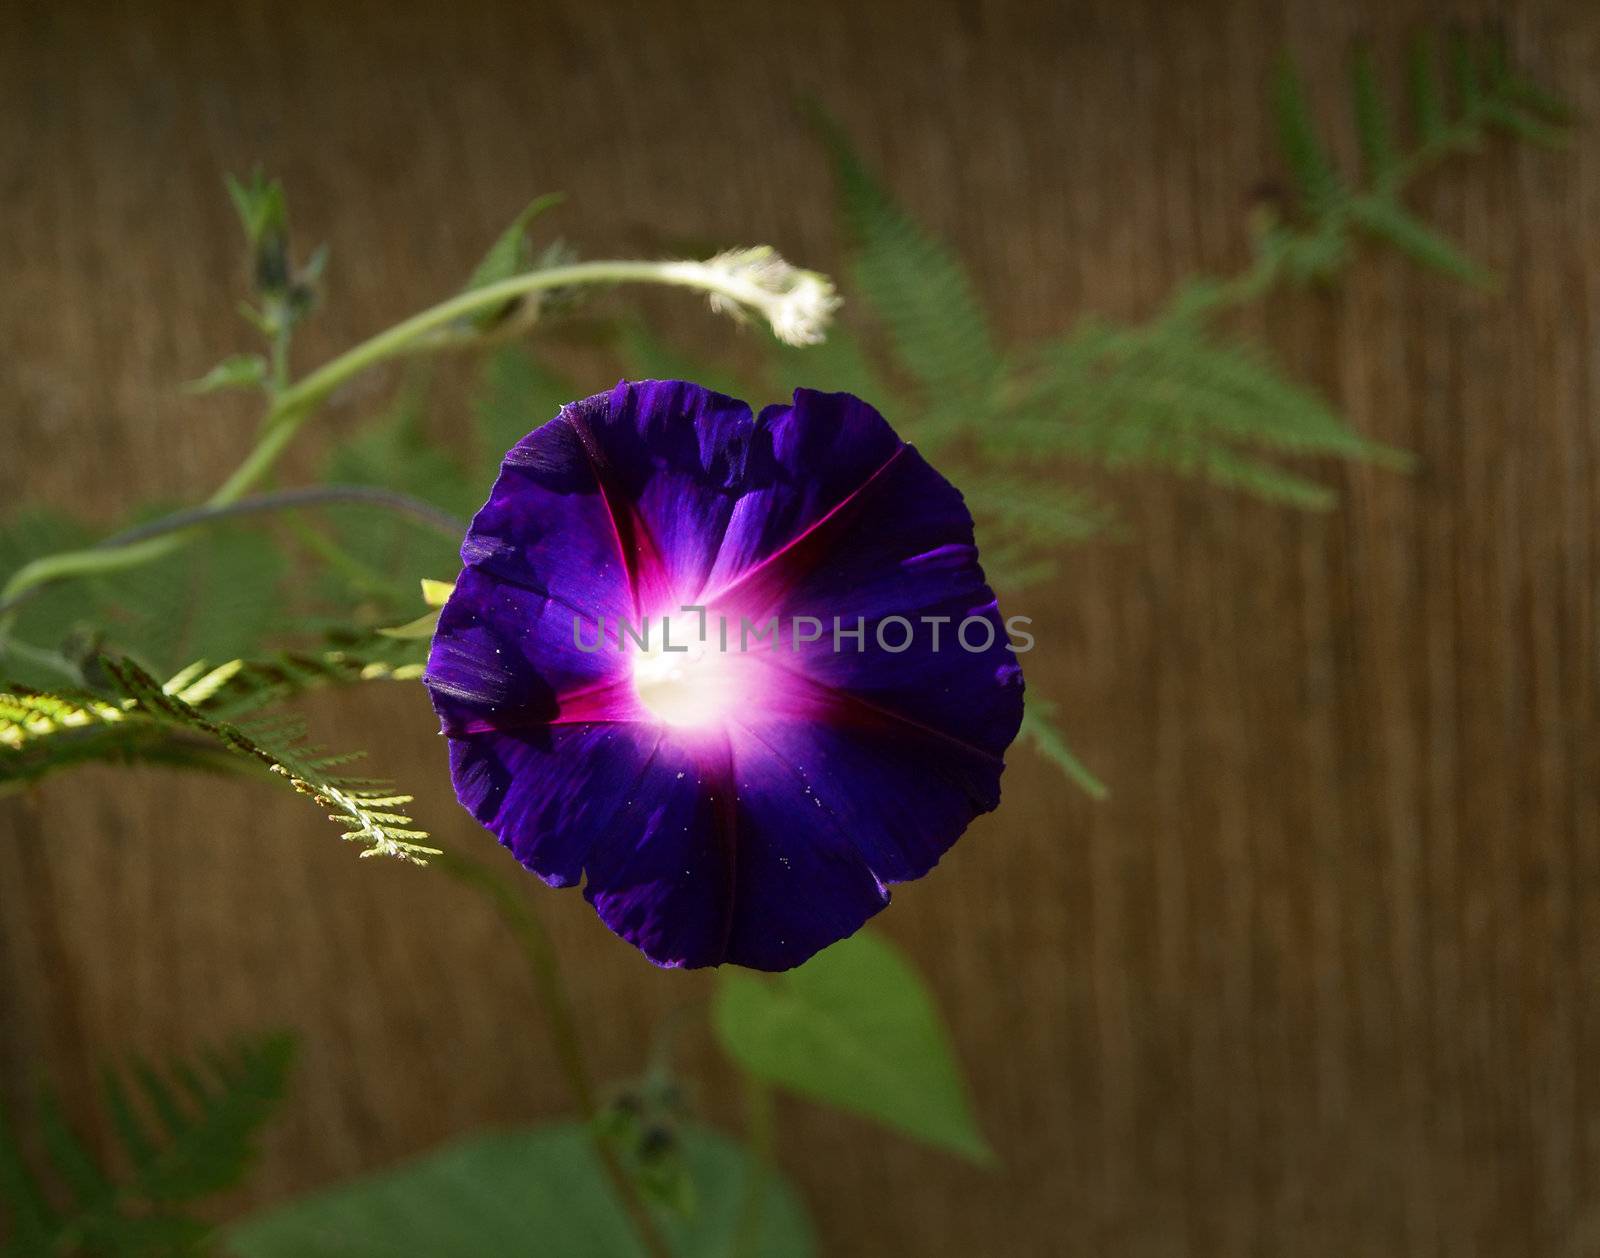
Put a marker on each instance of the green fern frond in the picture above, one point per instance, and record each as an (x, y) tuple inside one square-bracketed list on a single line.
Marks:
[(395, 451), (1386, 219), (180, 1135), (920, 293), (1486, 96), (1169, 395), (365, 807), (223, 596), (1309, 164), (183, 722), (241, 688)]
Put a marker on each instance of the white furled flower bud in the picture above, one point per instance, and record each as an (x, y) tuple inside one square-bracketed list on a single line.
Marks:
[(798, 305)]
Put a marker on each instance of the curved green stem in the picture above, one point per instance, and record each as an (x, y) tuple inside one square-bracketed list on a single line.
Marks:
[(552, 993), (315, 388), (292, 406)]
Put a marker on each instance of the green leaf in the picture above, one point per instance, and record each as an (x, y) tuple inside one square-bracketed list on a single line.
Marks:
[(212, 1140), (261, 205), (239, 371), (368, 557), (49, 617), (66, 1152), (395, 451), (1308, 162), (853, 1027), (1514, 121), (437, 593), (538, 1192), (1169, 395), (220, 598), (130, 1128), (422, 627), (1389, 221), (1464, 65), (42, 732), (511, 254), (31, 1217), (1023, 520)]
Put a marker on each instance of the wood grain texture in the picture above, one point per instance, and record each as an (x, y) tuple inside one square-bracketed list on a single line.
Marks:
[(1319, 979)]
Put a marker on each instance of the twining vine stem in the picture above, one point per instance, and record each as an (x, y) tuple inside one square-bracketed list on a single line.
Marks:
[(291, 406)]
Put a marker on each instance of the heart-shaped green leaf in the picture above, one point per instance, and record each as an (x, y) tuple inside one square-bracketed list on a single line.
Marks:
[(853, 1027), (537, 1192)]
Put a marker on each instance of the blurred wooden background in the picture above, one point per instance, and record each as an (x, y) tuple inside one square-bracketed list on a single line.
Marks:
[(1318, 979)]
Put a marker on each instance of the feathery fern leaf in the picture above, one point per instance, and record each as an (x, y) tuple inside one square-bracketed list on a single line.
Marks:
[(915, 286), (1309, 163), (1386, 219), (1167, 394), (364, 806), (223, 596), (43, 732), (1486, 96), (182, 1135), (1427, 97)]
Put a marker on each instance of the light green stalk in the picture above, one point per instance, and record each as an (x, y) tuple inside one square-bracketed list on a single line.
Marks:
[(796, 303)]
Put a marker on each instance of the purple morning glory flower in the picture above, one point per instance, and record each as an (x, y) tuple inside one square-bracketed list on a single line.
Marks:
[(744, 782)]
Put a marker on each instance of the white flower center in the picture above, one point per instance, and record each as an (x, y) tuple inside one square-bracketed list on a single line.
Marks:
[(686, 686)]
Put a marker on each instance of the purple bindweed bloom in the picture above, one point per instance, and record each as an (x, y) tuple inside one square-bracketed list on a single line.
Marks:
[(743, 783)]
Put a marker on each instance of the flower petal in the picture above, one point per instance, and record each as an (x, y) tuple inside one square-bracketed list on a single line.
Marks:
[(505, 657), (755, 831), (805, 460), (549, 794), (546, 528), (696, 855), (669, 458)]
